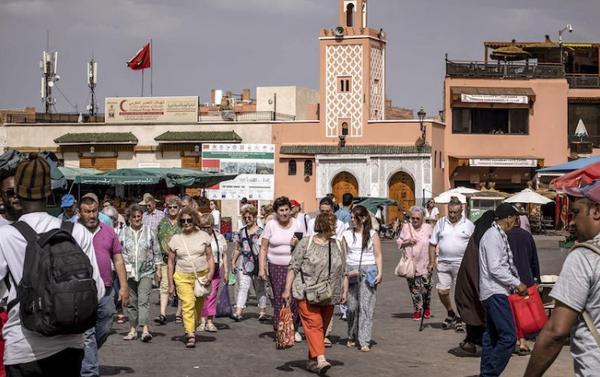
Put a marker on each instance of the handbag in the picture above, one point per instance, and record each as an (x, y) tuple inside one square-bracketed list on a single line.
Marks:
[(320, 293), (284, 337), (200, 287), (223, 303), (528, 312), (406, 267)]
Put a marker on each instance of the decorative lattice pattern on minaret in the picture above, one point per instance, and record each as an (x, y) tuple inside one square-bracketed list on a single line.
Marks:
[(376, 107), (344, 60)]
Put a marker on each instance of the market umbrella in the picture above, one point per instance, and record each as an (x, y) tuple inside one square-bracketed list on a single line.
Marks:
[(577, 178), (71, 173), (511, 52), (460, 192), (151, 176), (371, 203), (528, 196)]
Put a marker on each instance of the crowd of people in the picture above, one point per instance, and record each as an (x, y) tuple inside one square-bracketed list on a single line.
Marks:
[(307, 264)]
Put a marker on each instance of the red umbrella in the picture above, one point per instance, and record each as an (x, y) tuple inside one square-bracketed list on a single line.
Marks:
[(578, 178)]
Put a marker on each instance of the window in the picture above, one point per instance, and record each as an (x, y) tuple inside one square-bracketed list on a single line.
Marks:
[(345, 128), (292, 167), (350, 15), (344, 84), (308, 168), (490, 121), (589, 113)]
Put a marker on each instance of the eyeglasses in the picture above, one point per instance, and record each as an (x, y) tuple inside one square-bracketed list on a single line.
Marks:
[(415, 218), (173, 207), (10, 192), (186, 221)]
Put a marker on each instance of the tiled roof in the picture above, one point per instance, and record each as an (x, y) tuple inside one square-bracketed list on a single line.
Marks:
[(97, 138), (354, 149), (199, 136)]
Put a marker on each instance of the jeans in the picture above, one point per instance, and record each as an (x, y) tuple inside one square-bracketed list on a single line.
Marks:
[(96, 336), (66, 363), (499, 337)]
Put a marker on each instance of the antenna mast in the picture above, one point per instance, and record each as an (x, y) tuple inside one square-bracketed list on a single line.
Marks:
[(92, 80), (48, 66)]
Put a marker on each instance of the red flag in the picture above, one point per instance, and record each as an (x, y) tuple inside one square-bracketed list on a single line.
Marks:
[(141, 60)]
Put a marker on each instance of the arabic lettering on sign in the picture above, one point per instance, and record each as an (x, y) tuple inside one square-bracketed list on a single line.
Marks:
[(151, 109)]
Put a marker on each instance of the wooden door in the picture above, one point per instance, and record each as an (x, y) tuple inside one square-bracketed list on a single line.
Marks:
[(401, 189), (191, 162), (342, 183), (99, 163)]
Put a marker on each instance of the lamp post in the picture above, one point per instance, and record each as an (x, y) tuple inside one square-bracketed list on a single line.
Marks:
[(421, 114), (568, 28)]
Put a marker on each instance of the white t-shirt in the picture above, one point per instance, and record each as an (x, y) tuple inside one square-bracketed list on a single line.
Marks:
[(452, 239), (216, 219), (433, 214), (578, 287), (303, 223), (340, 228), (22, 345), (354, 242)]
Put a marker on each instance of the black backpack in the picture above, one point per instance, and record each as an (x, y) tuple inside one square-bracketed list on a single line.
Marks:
[(57, 293)]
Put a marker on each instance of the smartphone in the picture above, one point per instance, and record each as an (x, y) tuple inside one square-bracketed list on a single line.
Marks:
[(298, 235)]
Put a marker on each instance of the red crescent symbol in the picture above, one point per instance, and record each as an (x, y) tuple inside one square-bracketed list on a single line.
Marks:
[(121, 105)]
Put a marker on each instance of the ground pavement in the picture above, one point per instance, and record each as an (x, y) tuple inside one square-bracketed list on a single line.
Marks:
[(247, 348)]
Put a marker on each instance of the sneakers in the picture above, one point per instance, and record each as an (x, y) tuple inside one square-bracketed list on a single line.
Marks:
[(320, 367), (297, 337), (427, 313), (416, 316), (202, 326), (131, 335), (448, 323), (210, 327), (459, 326)]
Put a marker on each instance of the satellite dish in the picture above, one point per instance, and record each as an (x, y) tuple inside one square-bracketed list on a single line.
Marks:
[(56, 77), (339, 31)]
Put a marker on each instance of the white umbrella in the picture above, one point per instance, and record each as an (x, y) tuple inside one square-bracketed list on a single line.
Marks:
[(459, 192), (528, 196)]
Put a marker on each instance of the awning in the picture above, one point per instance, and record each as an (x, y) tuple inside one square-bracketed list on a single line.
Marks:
[(199, 137), (571, 165), (471, 94), (150, 176), (97, 138), (71, 173), (497, 162), (353, 149)]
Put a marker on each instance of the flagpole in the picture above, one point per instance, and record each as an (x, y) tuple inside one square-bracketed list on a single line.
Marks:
[(142, 82), (151, 65)]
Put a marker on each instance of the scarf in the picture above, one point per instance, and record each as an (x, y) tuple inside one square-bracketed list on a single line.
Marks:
[(511, 264)]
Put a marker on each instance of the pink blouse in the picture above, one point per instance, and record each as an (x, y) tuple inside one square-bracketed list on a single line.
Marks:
[(420, 250)]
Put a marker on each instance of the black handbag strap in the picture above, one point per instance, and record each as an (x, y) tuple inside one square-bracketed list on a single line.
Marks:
[(249, 239)]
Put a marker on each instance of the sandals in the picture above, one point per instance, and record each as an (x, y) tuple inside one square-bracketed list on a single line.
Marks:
[(146, 337), (318, 367), (523, 351), (161, 320), (237, 317), (365, 348), (121, 319), (448, 323), (178, 319), (132, 335), (327, 343), (459, 326), (210, 327), (190, 341), (350, 344), (262, 316)]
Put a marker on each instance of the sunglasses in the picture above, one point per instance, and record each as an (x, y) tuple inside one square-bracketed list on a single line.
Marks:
[(173, 207), (186, 221), (415, 218), (10, 192)]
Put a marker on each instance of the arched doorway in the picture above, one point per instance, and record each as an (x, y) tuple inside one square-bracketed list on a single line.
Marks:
[(401, 189), (342, 183)]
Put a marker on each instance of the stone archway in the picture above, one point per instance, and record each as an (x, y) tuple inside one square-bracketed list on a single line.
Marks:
[(402, 189), (344, 182)]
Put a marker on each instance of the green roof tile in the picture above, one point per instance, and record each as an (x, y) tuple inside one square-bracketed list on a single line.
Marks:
[(354, 149), (199, 136), (97, 138)]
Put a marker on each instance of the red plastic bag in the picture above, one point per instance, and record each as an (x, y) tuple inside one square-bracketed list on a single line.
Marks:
[(285, 329), (3, 319), (528, 312)]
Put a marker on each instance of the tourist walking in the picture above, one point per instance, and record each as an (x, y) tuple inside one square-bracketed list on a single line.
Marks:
[(108, 253), (167, 228), (466, 294), (190, 259), (246, 249), (326, 206), (364, 267), (498, 277), (218, 245), (266, 215), (525, 258), (432, 213), (450, 235), (275, 255), (68, 204), (577, 294), (216, 215), (29, 353), (141, 253), (318, 265), (414, 240), (152, 216), (343, 213)]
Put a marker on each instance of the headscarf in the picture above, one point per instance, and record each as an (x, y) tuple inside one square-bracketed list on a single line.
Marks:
[(482, 225)]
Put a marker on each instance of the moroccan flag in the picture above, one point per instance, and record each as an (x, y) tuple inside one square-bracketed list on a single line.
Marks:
[(141, 60)]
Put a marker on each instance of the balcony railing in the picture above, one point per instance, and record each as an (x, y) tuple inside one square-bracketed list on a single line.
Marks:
[(583, 81), (504, 71)]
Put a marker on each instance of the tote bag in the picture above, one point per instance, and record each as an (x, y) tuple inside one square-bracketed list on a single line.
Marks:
[(223, 302), (528, 312), (285, 329)]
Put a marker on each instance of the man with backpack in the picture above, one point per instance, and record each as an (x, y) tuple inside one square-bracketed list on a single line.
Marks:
[(52, 271), (577, 295), (107, 249)]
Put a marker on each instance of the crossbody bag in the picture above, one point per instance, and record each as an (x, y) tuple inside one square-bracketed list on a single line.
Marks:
[(320, 293), (200, 288)]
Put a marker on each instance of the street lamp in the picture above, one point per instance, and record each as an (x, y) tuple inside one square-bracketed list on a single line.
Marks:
[(568, 28), (421, 114)]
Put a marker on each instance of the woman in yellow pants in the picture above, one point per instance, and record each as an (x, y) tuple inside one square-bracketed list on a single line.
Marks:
[(191, 249)]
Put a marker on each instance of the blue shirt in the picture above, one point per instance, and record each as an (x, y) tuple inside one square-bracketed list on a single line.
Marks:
[(103, 218), (343, 214)]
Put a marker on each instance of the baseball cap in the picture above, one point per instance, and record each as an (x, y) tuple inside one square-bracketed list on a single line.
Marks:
[(591, 191), (92, 196), (67, 201), (294, 203), (505, 210)]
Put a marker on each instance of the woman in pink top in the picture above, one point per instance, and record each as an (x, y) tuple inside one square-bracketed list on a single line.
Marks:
[(414, 239), (275, 255)]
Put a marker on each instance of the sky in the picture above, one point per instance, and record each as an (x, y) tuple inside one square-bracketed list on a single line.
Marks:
[(236, 44)]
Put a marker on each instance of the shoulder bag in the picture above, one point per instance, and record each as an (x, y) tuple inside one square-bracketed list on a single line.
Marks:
[(406, 267), (320, 293), (200, 288), (585, 314)]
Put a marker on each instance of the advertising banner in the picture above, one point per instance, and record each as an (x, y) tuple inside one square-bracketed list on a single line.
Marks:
[(254, 163), (489, 98), (151, 109)]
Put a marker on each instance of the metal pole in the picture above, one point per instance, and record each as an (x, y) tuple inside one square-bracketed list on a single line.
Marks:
[(151, 65)]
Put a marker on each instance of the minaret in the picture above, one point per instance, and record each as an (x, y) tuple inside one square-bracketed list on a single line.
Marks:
[(352, 72)]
